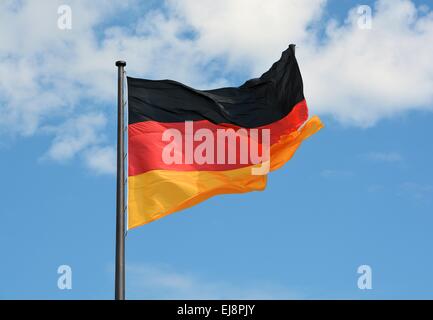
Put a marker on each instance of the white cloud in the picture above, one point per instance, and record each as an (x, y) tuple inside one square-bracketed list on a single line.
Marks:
[(84, 134), (46, 71), (384, 157), (361, 76), (358, 76), (101, 160), (150, 281), (75, 135), (248, 31)]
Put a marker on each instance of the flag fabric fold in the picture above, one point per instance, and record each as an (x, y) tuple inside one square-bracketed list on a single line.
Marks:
[(186, 145)]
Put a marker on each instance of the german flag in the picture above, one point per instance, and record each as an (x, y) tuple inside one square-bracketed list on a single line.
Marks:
[(186, 145)]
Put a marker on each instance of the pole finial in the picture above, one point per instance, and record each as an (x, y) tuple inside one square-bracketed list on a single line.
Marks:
[(120, 63)]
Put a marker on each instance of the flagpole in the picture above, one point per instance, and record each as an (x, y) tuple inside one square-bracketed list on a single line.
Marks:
[(120, 192)]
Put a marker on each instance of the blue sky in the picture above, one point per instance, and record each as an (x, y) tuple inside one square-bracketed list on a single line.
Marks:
[(358, 192)]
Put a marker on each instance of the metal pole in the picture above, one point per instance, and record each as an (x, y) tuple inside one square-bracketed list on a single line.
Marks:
[(120, 197)]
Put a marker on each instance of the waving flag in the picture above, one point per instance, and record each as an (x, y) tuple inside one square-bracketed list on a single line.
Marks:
[(186, 145)]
